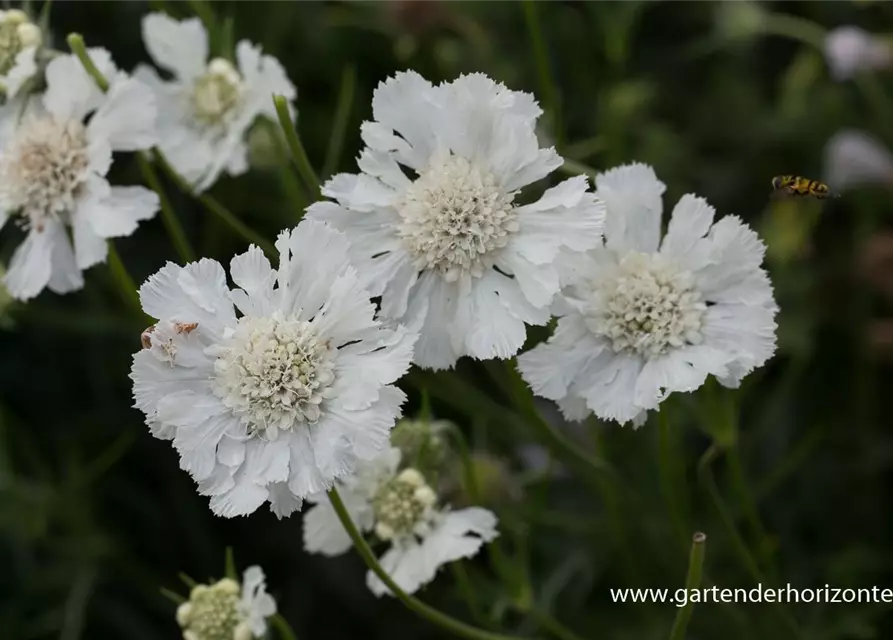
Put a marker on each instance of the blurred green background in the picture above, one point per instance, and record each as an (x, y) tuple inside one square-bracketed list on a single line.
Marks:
[(95, 515)]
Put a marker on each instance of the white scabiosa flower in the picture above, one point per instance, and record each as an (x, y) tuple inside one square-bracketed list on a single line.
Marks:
[(276, 401), (208, 107), (644, 317), (435, 224), (20, 40), (53, 162), (854, 158), (401, 509), (227, 610), (849, 50)]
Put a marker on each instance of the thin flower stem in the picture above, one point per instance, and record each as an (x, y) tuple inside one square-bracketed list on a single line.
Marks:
[(213, 206), (124, 281), (168, 216), (546, 622), (417, 606), (292, 187), (795, 28), (78, 48), (670, 479), (466, 590), (543, 68), (342, 115), (692, 581), (706, 474), (574, 168), (299, 155), (282, 627)]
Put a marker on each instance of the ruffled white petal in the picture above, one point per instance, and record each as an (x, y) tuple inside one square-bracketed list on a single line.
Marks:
[(690, 221), (71, 93), (460, 534), (23, 70), (181, 47), (118, 212), (632, 194), (126, 119), (323, 532)]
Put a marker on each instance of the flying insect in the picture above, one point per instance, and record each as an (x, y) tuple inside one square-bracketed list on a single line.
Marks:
[(801, 187)]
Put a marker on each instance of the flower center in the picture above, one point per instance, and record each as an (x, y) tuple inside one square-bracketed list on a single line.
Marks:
[(43, 169), (456, 218), (17, 32), (274, 373), (212, 613), (400, 504), (648, 305), (216, 93)]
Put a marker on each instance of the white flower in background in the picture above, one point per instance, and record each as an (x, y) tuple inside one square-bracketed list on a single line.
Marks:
[(853, 158), (227, 610), (19, 41), (401, 509), (208, 107), (53, 162), (643, 318), (448, 245), (276, 403), (850, 50)]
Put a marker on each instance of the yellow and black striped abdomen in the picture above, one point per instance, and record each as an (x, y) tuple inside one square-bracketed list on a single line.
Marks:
[(800, 186)]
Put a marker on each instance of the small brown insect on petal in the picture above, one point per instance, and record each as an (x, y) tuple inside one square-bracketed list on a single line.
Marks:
[(146, 337), (185, 327)]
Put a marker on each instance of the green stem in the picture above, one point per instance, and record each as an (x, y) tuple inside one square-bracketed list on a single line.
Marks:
[(543, 69), (78, 48), (282, 627), (213, 206), (670, 477), (299, 155), (342, 115), (546, 622), (747, 559), (795, 28), (417, 606), (574, 168), (466, 590), (168, 217), (749, 505), (290, 183), (125, 283), (692, 581)]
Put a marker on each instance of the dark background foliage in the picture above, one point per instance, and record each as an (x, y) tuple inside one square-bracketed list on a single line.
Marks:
[(95, 515)]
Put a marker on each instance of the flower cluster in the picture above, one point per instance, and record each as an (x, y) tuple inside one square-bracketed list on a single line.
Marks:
[(401, 509), (227, 610)]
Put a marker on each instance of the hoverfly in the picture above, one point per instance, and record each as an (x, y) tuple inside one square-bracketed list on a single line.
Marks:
[(800, 186)]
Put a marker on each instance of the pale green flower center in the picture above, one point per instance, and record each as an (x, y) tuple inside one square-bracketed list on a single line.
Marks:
[(647, 306), (216, 93), (212, 612), (455, 218), (17, 32), (400, 504), (274, 372)]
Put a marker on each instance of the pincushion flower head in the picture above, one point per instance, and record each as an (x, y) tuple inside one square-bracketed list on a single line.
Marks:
[(435, 219), (227, 610), (20, 40), (207, 108), (274, 388), (643, 317), (401, 509), (54, 156)]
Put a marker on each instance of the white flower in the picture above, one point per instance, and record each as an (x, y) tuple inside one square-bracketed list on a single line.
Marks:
[(53, 162), (448, 245), (400, 507), (19, 41), (275, 403), (644, 318), (853, 158), (208, 107), (850, 50), (217, 612)]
